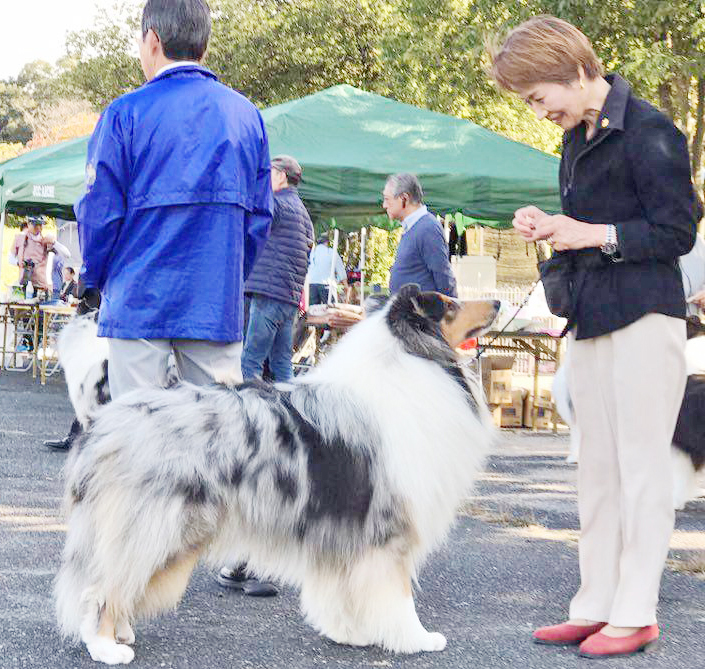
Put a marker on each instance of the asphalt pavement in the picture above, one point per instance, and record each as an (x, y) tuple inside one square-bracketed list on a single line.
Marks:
[(509, 566)]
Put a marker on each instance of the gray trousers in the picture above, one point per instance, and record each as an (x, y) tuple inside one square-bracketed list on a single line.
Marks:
[(143, 363)]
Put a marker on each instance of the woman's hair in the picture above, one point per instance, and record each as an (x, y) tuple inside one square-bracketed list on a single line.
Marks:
[(183, 26), (542, 49)]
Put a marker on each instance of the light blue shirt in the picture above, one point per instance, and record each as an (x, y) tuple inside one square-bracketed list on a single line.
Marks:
[(409, 221), (319, 267)]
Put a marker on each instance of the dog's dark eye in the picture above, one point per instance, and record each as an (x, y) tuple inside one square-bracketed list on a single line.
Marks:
[(451, 311)]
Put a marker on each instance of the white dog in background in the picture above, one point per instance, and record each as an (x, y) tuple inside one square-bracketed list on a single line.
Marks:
[(84, 359), (688, 448)]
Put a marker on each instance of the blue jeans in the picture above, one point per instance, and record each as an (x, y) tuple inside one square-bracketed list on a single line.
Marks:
[(268, 333), (318, 293)]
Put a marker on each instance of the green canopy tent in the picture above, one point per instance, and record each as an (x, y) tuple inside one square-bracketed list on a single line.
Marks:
[(348, 141), (44, 181)]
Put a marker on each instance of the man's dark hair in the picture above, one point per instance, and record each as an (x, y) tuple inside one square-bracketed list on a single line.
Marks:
[(183, 26), (70, 270)]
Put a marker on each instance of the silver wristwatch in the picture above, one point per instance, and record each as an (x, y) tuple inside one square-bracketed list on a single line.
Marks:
[(609, 248)]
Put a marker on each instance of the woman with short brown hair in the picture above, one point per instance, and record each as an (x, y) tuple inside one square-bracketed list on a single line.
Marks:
[(629, 212)]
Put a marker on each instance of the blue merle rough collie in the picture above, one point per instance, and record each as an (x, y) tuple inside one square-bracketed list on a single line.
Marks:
[(339, 483)]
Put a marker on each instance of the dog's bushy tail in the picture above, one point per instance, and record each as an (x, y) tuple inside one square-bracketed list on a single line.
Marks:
[(72, 582)]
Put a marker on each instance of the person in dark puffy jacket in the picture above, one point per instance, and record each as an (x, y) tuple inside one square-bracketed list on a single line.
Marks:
[(272, 293), (273, 289)]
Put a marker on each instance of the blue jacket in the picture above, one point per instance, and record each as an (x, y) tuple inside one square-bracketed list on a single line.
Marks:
[(280, 271), (177, 206), (422, 258)]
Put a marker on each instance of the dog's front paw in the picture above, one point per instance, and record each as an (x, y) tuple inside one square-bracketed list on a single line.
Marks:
[(433, 642), (110, 652)]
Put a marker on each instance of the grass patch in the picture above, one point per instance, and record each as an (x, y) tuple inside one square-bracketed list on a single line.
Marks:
[(694, 565), (496, 516)]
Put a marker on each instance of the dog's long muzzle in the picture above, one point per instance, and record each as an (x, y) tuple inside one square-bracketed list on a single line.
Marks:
[(469, 318)]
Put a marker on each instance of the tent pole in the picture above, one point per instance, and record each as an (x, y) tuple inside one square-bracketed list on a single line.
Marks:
[(363, 240), (332, 281), (2, 231)]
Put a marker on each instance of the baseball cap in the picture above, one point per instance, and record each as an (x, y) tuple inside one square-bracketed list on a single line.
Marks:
[(290, 166), (38, 220)]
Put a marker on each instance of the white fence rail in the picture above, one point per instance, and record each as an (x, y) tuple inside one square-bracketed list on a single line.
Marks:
[(514, 296)]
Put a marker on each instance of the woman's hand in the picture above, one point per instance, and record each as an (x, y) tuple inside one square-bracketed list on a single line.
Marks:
[(560, 231), (525, 220), (564, 233)]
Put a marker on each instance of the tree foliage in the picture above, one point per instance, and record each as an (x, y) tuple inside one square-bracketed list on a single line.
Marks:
[(10, 150), (16, 106), (656, 44), (36, 110), (424, 52), (102, 63), (276, 51)]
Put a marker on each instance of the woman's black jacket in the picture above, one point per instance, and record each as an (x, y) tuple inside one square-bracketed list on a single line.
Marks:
[(635, 174)]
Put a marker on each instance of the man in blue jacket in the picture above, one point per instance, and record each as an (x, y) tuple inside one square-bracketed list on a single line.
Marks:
[(177, 206), (422, 254)]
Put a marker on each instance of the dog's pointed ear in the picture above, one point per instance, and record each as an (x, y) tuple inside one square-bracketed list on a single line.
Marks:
[(432, 305), (409, 290)]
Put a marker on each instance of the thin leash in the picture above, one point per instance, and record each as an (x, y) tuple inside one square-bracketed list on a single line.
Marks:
[(483, 348)]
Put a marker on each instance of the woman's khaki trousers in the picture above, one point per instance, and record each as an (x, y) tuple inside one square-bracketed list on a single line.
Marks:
[(627, 389)]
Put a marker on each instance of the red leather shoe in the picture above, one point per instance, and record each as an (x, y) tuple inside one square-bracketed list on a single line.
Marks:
[(566, 634), (601, 645)]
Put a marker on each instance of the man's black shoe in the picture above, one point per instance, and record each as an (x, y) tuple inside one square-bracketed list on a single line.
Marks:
[(65, 444), (238, 579), (60, 445)]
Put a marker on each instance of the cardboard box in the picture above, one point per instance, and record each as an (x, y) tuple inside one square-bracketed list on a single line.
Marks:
[(542, 414), (510, 412), (500, 386), (490, 363)]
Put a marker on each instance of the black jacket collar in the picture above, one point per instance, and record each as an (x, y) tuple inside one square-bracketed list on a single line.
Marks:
[(612, 113)]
